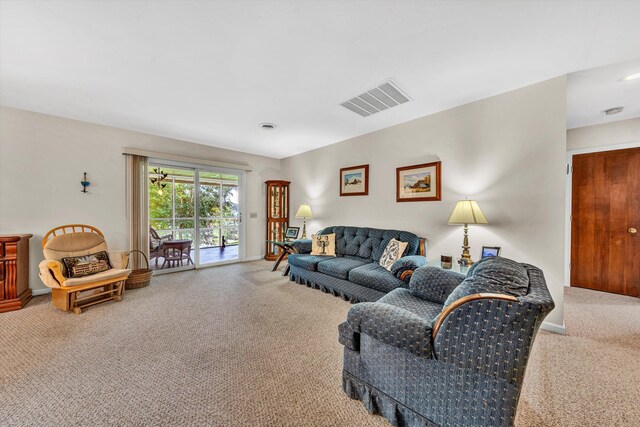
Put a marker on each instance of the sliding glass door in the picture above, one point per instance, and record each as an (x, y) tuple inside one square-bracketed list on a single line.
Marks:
[(194, 217), (219, 217)]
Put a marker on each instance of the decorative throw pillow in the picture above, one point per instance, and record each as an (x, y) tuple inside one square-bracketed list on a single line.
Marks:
[(392, 253), (79, 266), (323, 244)]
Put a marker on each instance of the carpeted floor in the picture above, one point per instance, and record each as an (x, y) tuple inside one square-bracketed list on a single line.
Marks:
[(241, 346)]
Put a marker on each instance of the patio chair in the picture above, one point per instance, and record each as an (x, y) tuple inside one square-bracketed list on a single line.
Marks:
[(76, 293), (155, 243)]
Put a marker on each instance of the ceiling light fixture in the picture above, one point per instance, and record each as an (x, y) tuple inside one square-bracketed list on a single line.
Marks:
[(268, 126), (614, 110), (632, 77)]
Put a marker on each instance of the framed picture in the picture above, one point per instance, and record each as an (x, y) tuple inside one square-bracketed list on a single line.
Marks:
[(292, 233), (354, 181), (418, 183), (490, 251)]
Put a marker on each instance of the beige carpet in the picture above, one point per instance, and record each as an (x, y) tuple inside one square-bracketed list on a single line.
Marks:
[(241, 346)]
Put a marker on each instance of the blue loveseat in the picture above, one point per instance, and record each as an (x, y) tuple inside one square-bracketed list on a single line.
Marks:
[(355, 273), (449, 351)]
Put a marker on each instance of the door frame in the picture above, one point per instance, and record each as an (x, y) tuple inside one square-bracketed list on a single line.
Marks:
[(196, 181), (568, 195)]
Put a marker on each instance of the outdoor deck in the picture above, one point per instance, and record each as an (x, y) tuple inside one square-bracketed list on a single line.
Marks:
[(207, 255)]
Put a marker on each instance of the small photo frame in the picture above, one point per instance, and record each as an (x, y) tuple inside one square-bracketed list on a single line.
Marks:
[(354, 181), (418, 183), (488, 251), (292, 233)]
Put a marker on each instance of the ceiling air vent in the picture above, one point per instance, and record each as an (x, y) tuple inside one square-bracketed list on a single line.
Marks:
[(386, 95)]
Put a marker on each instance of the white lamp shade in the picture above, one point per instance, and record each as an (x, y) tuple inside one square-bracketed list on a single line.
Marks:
[(467, 212), (304, 211)]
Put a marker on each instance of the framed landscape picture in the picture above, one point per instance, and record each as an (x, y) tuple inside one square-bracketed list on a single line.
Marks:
[(354, 181), (418, 183)]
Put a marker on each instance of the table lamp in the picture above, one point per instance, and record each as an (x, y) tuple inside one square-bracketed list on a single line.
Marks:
[(467, 212), (304, 212)]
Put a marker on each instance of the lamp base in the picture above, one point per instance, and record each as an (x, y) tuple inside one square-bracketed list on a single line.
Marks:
[(304, 229), (465, 246)]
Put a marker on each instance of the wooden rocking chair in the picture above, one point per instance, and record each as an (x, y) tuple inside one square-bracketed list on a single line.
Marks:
[(75, 294)]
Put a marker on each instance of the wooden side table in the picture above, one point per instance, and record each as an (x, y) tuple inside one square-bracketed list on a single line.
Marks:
[(287, 248), (176, 251), (14, 272)]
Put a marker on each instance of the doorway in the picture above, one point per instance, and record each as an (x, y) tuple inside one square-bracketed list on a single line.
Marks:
[(194, 217), (605, 218)]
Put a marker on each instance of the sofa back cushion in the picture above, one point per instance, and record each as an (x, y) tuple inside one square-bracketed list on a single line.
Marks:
[(369, 243), (495, 275)]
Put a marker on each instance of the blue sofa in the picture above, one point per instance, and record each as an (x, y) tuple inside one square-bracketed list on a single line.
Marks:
[(449, 351), (355, 273)]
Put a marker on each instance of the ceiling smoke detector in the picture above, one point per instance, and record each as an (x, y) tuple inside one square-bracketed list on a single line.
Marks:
[(614, 110), (268, 126), (384, 96)]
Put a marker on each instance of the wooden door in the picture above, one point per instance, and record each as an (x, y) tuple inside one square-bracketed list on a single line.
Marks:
[(605, 219)]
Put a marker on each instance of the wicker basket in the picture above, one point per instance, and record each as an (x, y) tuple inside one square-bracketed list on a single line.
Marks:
[(141, 277)]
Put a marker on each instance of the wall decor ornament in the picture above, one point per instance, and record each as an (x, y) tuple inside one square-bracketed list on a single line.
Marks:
[(354, 181), (418, 183), (85, 183), (158, 178)]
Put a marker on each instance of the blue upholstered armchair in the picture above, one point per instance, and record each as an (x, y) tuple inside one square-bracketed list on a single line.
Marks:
[(450, 350)]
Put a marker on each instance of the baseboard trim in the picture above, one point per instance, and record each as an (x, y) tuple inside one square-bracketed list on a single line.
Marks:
[(552, 327), (37, 292), (254, 258)]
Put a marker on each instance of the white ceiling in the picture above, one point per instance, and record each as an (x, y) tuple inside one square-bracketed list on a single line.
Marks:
[(211, 72), (590, 92)]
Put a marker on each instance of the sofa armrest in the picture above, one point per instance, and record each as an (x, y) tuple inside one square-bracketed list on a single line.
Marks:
[(434, 284), (51, 273), (404, 267), (488, 333), (303, 246), (119, 259), (393, 326)]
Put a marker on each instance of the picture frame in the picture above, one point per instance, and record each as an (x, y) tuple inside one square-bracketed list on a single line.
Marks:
[(292, 233), (419, 183), (354, 181), (488, 251)]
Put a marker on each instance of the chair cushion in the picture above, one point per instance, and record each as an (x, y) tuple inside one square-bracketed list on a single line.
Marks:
[(375, 277), (434, 284), (109, 274), (74, 244), (308, 262), (404, 299), (493, 275), (338, 267)]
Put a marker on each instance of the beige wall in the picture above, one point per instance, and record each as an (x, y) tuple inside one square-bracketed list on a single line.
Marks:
[(507, 152), (42, 159), (614, 133)]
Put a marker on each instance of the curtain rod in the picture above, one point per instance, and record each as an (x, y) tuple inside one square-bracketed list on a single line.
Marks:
[(184, 159)]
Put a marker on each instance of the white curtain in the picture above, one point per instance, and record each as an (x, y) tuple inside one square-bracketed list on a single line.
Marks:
[(138, 208)]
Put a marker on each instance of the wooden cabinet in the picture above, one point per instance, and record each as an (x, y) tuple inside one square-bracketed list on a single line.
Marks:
[(14, 272), (277, 215)]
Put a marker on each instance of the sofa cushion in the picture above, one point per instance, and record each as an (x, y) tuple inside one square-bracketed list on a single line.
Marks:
[(308, 262), (338, 267), (434, 284), (375, 277), (370, 243), (323, 244), (392, 253), (404, 299), (493, 275)]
